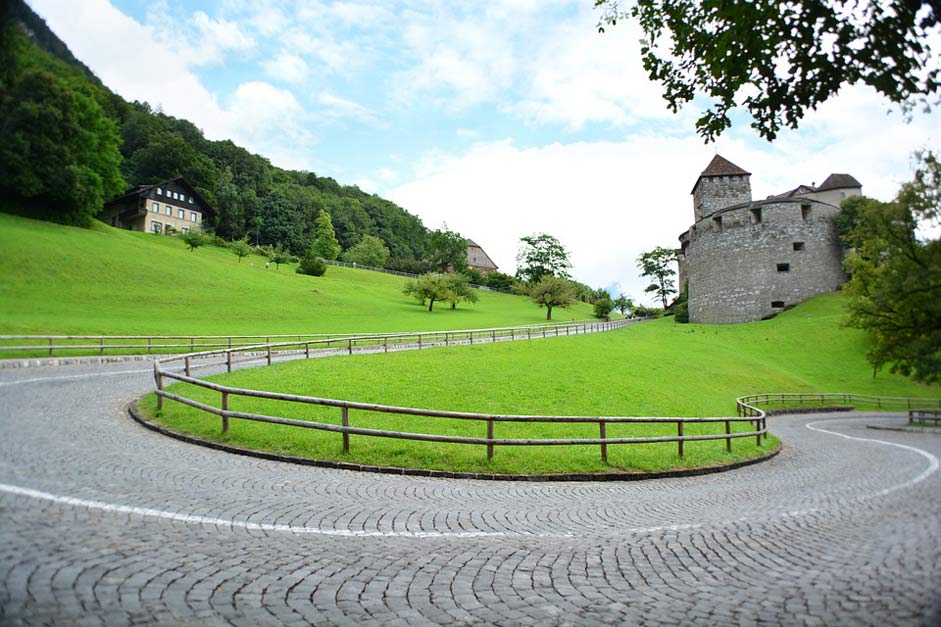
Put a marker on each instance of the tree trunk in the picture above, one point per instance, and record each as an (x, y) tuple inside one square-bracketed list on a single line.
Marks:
[(431, 303), (548, 312)]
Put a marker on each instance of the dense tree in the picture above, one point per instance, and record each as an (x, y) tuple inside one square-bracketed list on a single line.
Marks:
[(459, 290), (895, 289), (552, 291), (311, 264), (779, 59), (370, 251), (658, 265), (446, 250), (539, 256), (280, 256), (500, 281), (603, 307), (429, 287), (326, 245)]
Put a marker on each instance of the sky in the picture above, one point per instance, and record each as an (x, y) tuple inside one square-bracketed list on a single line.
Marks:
[(495, 119)]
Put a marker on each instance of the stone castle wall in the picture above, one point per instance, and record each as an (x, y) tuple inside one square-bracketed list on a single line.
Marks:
[(734, 259), (713, 193)]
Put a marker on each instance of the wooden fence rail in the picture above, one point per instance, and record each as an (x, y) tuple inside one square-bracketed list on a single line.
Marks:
[(421, 340)]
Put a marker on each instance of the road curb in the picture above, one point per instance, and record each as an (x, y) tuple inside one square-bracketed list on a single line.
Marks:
[(134, 412)]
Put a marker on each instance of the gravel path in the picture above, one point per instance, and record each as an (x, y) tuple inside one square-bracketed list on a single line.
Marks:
[(105, 522)]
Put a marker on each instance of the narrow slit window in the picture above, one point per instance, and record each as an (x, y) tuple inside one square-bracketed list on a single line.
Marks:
[(805, 212), (784, 267), (798, 246), (718, 222), (756, 216), (777, 304)]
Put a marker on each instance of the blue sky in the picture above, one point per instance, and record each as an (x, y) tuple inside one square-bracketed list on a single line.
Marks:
[(499, 119)]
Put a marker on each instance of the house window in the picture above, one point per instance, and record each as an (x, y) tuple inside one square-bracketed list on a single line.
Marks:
[(169, 210), (805, 212), (784, 267), (190, 200), (777, 304), (718, 222), (192, 216), (160, 191), (156, 207), (756, 215), (798, 246), (182, 215), (156, 227), (176, 195)]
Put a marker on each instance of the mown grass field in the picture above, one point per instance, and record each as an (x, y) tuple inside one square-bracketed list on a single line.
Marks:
[(63, 280), (652, 369)]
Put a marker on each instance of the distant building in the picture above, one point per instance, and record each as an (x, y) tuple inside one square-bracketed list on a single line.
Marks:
[(477, 259), (745, 260), (161, 208)]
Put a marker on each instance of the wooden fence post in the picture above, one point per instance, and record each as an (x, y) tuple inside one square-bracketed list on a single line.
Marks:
[(225, 407), (346, 423), (269, 354), (306, 350), (349, 344), (604, 445), (728, 440), (101, 344), (758, 429), (228, 361), (50, 347), (186, 365), (679, 433), (490, 437), (158, 381)]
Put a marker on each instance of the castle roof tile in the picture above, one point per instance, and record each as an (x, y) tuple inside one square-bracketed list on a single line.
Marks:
[(839, 181)]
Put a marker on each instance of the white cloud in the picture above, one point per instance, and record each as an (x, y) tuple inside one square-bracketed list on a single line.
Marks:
[(337, 107), (272, 121), (287, 67)]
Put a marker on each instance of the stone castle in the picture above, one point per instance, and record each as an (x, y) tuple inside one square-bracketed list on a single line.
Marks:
[(746, 260)]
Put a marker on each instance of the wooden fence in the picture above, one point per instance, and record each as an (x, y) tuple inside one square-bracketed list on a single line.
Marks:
[(419, 340)]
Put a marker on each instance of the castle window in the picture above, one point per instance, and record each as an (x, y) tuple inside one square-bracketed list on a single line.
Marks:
[(718, 222), (805, 212), (798, 246), (777, 304), (756, 215), (784, 267)]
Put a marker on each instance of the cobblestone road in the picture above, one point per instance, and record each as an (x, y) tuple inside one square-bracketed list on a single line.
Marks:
[(104, 522)]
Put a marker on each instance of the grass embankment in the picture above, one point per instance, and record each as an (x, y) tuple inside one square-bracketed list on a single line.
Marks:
[(64, 280), (652, 369)]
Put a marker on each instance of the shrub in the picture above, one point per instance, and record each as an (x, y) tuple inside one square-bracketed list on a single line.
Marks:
[(312, 265), (500, 281), (410, 266), (473, 276), (217, 241)]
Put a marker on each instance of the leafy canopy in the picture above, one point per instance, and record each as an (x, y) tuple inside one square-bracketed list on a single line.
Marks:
[(658, 265), (552, 291), (539, 256), (370, 251), (326, 245), (895, 290), (447, 250), (778, 59), (429, 287)]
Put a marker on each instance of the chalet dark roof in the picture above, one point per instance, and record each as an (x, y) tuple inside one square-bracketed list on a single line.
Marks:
[(143, 189), (720, 166), (839, 181), (472, 243)]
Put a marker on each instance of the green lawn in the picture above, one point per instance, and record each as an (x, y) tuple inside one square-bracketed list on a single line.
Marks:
[(652, 369), (63, 280)]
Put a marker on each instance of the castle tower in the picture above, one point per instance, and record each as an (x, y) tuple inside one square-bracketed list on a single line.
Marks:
[(721, 184)]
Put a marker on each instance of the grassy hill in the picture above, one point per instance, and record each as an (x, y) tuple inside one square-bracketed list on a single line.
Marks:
[(657, 368), (59, 279)]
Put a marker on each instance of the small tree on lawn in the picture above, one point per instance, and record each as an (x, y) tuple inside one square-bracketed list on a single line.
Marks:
[(428, 287), (541, 255), (311, 264), (623, 304), (326, 245), (552, 291), (603, 307), (658, 265), (459, 289), (241, 248), (280, 256), (194, 238)]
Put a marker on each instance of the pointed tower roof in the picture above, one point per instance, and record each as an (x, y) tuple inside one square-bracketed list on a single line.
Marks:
[(720, 166)]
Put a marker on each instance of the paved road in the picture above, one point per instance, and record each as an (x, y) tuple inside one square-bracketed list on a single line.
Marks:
[(104, 522)]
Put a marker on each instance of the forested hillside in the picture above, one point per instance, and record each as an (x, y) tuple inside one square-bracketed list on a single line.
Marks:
[(70, 144)]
